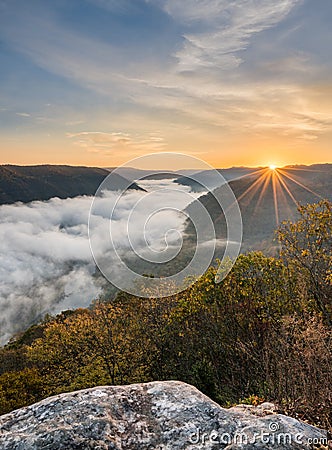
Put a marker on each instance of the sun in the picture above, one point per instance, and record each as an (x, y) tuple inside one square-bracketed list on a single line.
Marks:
[(272, 167)]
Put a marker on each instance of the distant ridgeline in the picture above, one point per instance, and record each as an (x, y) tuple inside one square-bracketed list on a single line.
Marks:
[(266, 198), (28, 183)]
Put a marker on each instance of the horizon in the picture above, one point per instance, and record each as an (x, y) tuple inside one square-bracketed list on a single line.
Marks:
[(158, 169)]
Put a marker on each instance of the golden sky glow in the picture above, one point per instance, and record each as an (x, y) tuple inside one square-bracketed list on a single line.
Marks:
[(233, 83)]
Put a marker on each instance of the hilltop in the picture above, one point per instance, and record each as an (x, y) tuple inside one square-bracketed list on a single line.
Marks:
[(42, 182)]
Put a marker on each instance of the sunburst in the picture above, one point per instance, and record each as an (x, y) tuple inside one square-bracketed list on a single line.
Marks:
[(278, 179)]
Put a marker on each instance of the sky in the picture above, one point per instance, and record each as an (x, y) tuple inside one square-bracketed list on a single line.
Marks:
[(99, 82)]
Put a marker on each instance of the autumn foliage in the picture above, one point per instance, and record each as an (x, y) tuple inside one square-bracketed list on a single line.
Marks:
[(263, 332)]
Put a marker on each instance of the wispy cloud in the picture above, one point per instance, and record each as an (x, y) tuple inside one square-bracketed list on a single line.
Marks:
[(23, 114), (85, 60), (72, 123), (300, 126), (222, 28), (228, 68), (97, 141), (216, 32)]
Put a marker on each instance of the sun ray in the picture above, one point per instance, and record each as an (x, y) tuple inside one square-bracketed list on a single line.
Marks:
[(278, 180), (283, 197), (275, 196), (250, 174), (300, 169), (299, 183), (263, 191), (284, 184), (255, 185)]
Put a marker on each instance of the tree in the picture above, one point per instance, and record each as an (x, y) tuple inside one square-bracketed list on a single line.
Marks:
[(307, 246)]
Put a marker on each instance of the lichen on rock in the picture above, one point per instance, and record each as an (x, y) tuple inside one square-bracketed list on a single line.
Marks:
[(167, 415)]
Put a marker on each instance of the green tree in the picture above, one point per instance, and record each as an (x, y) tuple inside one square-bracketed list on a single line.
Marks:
[(20, 388), (307, 247)]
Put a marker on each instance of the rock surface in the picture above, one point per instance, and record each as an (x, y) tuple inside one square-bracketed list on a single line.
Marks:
[(165, 415)]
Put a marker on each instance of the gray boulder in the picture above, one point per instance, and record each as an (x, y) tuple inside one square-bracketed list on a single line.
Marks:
[(167, 415)]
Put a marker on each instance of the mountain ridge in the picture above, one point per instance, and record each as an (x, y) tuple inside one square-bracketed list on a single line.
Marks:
[(42, 182)]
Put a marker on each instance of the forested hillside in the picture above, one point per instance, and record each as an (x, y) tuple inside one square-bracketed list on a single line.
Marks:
[(28, 183), (264, 332), (265, 202)]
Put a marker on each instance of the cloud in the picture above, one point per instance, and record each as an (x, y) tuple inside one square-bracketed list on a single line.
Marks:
[(97, 141), (227, 71), (307, 125), (222, 28), (72, 123), (46, 264), (23, 114), (294, 63), (86, 60), (215, 32), (44, 251)]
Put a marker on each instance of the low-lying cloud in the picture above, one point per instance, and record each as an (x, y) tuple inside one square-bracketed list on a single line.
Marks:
[(46, 264)]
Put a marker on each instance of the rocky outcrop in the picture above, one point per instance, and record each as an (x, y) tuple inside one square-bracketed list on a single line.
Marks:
[(165, 415)]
